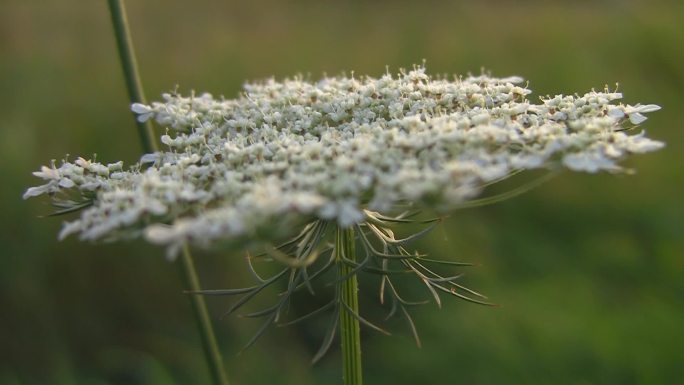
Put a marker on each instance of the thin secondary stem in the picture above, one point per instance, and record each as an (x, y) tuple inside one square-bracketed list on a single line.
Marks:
[(350, 332), (129, 64), (199, 308), (147, 139)]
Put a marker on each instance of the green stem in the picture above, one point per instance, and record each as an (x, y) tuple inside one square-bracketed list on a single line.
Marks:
[(130, 68), (350, 333), (199, 308), (146, 132)]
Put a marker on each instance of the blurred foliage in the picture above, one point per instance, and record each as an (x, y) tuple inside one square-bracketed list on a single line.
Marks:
[(589, 269)]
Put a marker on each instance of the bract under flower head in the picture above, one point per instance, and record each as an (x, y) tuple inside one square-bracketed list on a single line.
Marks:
[(293, 151)]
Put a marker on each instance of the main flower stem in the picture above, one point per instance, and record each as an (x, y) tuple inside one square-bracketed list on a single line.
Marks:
[(147, 139), (199, 307), (350, 335), (129, 64)]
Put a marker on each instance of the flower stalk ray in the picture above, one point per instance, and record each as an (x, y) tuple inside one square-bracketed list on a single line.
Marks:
[(396, 260)]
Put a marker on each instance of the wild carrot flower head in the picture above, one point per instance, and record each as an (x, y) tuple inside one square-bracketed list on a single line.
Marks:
[(340, 150)]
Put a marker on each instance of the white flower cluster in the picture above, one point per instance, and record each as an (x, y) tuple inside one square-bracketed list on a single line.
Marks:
[(283, 152)]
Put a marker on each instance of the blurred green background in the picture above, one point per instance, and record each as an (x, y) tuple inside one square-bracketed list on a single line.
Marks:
[(589, 269)]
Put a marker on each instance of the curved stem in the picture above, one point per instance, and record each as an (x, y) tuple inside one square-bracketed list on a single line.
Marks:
[(199, 308), (350, 334), (130, 68), (146, 132)]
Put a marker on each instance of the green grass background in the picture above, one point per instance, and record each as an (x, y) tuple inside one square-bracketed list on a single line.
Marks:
[(589, 269)]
